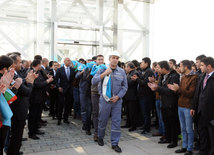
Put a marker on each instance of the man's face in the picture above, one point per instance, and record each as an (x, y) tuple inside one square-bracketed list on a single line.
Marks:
[(26, 64), (67, 62), (157, 69), (55, 66), (198, 62), (114, 60), (100, 60), (171, 64), (160, 70), (182, 68), (17, 65), (203, 67), (38, 67), (127, 68), (143, 65)]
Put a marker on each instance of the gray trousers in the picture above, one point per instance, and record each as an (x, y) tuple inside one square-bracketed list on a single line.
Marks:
[(95, 111)]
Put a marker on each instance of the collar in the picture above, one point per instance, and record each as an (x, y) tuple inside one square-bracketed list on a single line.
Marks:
[(43, 66), (211, 74)]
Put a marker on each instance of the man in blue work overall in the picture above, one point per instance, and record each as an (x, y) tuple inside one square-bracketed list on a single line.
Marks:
[(113, 104)]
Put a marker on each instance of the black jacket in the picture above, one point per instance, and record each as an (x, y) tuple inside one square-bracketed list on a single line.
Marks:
[(39, 89), (131, 94), (61, 78), (204, 104), (168, 97), (143, 89)]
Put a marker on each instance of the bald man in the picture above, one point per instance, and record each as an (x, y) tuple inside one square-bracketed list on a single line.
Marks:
[(64, 82)]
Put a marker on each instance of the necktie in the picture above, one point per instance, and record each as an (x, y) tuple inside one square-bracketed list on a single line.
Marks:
[(205, 80), (68, 72)]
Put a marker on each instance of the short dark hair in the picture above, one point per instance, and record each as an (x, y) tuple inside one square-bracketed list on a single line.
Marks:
[(136, 63), (173, 61), (208, 61), (131, 65), (14, 57), (5, 62), (50, 63), (94, 58), (38, 57), (36, 62), (164, 64), (147, 60), (200, 57), (100, 55), (154, 64), (187, 64)]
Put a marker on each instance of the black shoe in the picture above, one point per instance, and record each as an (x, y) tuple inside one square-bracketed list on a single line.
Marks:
[(100, 142), (59, 122), (34, 137), (43, 121), (144, 132), (172, 145), (21, 153), (40, 132), (66, 121), (88, 132), (163, 141), (162, 138), (117, 149), (125, 126), (182, 150), (132, 129), (188, 153), (84, 127), (24, 139)]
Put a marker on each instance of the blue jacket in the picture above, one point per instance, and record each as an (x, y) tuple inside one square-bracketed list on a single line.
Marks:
[(119, 84)]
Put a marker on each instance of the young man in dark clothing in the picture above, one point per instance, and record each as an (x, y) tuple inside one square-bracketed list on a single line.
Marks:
[(146, 95), (169, 101)]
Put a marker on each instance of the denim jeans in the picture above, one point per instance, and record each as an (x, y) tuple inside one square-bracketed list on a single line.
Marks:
[(186, 124), (161, 128), (76, 95)]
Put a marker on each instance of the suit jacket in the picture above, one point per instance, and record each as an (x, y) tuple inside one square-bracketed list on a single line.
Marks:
[(39, 89), (206, 101), (62, 81), (51, 72)]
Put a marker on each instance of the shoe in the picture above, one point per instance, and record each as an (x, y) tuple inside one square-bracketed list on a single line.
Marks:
[(188, 153), (40, 132), (88, 132), (182, 150), (43, 121), (84, 127), (132, 129), (95, 138), (144, 132), (24, 139), (126, 126), (172, 145), (59, 122), (156, 134), (34, 137), (163, 141), (117, 149), (100, 142), (66, 121), (162, 138), (21, 153)]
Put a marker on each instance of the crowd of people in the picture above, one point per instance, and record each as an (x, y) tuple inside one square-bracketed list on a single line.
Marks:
[(179, 98)]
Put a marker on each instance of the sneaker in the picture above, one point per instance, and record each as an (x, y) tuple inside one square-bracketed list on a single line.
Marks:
[(100, 142)]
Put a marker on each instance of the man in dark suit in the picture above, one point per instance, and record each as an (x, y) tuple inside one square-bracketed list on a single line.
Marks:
[(53, 91), (205, 107), (64, 80), (20, 106), (36, 100)]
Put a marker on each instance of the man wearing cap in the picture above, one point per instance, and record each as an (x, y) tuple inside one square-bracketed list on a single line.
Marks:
[(113, 104)]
